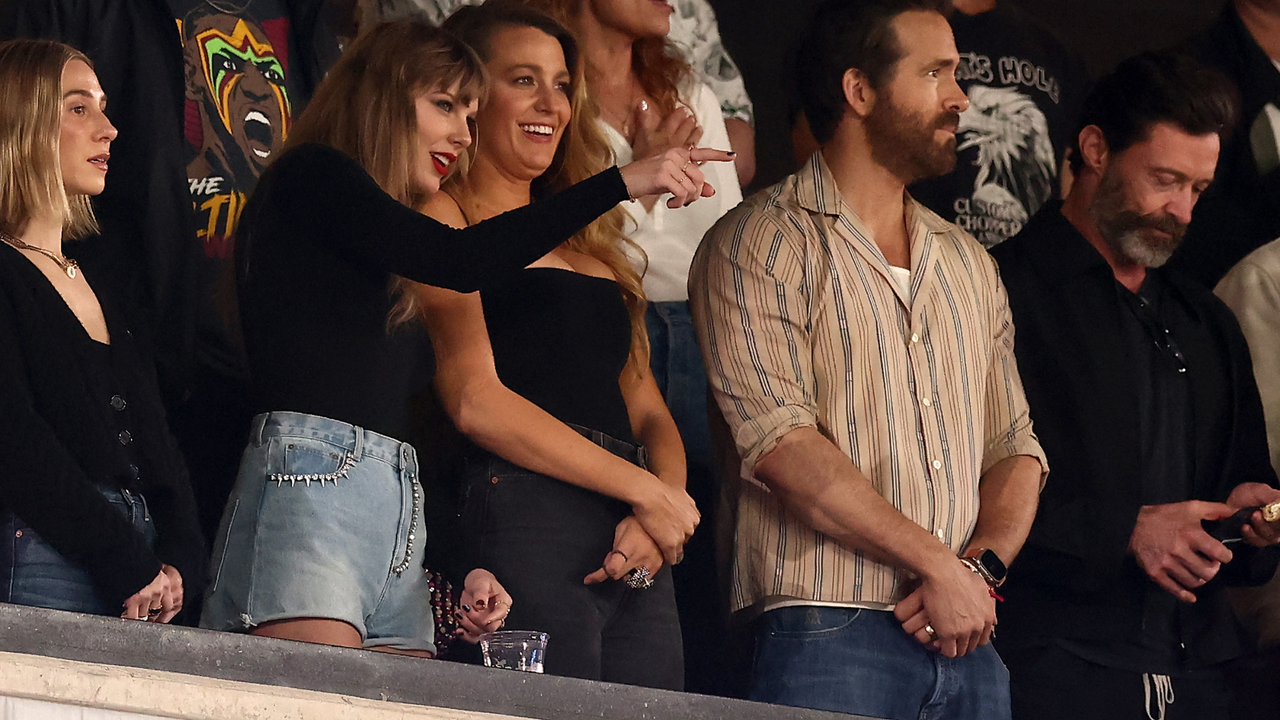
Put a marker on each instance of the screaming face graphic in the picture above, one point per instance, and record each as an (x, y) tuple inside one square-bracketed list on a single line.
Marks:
[(243, 98)]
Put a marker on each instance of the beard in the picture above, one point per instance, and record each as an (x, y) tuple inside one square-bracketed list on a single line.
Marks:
[(902, 141), (1130, 234)]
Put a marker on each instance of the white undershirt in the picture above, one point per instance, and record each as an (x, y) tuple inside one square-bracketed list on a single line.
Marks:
[(902, 276)]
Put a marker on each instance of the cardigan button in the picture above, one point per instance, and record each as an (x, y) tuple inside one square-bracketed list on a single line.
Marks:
[(125, 437), (118, 402), (133, 471)]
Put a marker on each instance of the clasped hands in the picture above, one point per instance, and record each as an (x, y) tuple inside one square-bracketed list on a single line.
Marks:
[(651, 537), (1171, 546), (956, 605)]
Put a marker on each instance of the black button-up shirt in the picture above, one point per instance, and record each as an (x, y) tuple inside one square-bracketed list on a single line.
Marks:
[(1123, 427)]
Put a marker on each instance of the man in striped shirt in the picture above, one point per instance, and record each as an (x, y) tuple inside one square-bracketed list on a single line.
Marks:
[(861, 350)]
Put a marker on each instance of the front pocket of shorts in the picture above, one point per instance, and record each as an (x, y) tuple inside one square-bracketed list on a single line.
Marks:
[(308, 457)]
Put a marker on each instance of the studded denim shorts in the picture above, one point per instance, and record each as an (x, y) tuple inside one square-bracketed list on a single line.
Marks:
[(325, 522)]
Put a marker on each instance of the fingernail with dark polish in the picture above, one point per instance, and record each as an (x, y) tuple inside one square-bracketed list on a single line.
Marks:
[(466, 608), (733, 154), (457, 614)]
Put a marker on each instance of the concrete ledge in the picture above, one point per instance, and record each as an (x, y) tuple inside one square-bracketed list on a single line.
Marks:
[(56, 688), (353, 673)]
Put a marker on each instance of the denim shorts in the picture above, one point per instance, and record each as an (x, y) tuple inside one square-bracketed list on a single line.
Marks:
[(33, 573), (325, 521)]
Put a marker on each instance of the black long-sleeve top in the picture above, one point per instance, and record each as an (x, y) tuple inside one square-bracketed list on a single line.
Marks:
[(74, 418), (317, 246)]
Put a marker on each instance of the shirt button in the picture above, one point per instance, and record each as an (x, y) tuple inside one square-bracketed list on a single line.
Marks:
[(915, 338), (118, 402), (125, 437), (937, 464), (941, 535), (133, 471), (926, 402)]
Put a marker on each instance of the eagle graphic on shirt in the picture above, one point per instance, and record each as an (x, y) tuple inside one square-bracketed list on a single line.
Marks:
[(1015, 160)]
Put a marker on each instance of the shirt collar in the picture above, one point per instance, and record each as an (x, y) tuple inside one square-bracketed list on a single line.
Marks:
[(1064, 254), (816, 192)]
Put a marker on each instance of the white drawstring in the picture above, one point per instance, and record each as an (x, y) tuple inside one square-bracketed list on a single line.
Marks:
[(1163, 690)]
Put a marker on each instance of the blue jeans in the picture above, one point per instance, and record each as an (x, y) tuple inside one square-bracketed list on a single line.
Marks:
[(861, 662), (677, 367), (33, 573)]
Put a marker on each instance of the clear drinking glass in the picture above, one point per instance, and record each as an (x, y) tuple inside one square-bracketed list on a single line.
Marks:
[(514, 649)]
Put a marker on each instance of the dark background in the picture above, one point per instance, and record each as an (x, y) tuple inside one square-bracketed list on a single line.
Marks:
[(760, 33)]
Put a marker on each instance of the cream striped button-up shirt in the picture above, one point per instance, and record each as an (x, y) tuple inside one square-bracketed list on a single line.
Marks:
[(803, 325)]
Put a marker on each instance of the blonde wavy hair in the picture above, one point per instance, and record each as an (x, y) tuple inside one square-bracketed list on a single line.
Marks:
[(30, 134), (583, 152)]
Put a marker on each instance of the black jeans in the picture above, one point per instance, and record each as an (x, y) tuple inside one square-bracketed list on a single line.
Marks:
[(1049, 683), (540, 537)]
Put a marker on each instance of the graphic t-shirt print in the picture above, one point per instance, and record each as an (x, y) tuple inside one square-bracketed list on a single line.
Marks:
[(237, 116), (1005, 136)]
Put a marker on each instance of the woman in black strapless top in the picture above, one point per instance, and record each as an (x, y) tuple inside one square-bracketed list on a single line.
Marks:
[(576, 500)]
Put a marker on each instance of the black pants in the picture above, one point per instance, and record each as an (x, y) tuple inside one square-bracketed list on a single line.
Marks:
[(1049, 683), (540, 537)]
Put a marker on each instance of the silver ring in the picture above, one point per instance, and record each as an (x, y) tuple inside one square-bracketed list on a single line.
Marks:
[(638, 579)]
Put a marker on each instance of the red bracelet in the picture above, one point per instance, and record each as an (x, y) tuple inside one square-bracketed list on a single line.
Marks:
[(994, 594)]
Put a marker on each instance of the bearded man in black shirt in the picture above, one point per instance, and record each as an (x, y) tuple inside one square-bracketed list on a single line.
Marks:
[(1143, 396)]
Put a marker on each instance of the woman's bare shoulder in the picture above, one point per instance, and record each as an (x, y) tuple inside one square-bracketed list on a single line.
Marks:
[(587, 265), (444, 208)]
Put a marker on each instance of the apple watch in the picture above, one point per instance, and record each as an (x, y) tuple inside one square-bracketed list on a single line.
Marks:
[(987, 565)]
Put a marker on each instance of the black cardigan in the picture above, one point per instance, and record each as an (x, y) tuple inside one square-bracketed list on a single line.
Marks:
[(1075, 577), (59, 446)]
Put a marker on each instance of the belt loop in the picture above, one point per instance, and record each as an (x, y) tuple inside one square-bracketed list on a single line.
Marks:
[(357, 451), (255, 431)]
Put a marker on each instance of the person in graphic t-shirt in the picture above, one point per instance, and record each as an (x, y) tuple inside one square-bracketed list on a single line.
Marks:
[(235, 79), (1024, 93)]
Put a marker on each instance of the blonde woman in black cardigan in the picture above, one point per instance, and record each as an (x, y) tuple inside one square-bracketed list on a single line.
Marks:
[(96, 513)]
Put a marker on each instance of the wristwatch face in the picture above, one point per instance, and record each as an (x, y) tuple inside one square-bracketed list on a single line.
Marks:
[(991, 561)]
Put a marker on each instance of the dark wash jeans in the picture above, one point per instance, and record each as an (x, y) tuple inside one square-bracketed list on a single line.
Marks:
[(677, 367), (861, 662), (33, 573), (540, 537)]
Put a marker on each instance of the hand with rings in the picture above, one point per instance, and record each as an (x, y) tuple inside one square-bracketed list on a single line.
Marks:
[(655, 134), (632, 549), (159, 601), (483, 606), (639, 579)]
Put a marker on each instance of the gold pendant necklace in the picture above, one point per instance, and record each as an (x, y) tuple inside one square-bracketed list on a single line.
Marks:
[(69, 266)]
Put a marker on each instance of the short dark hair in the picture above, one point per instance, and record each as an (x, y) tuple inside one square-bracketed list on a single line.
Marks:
[(846, 34), (1157, 87)]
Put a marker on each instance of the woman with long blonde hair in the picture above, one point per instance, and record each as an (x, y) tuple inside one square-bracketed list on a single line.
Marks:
[(322, 539), (96, 512), (574, 490)]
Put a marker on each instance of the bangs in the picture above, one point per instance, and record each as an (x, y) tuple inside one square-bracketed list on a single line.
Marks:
[(454, 64)]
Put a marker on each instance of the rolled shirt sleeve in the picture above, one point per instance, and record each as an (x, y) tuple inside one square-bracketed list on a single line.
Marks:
[(750, 310)]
